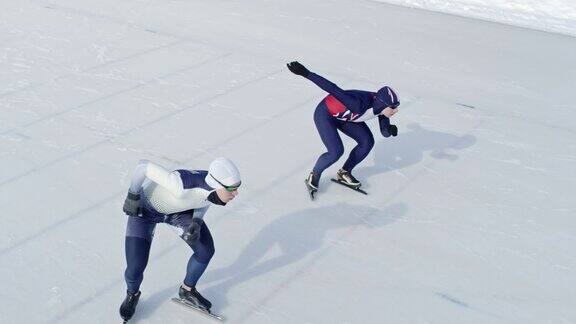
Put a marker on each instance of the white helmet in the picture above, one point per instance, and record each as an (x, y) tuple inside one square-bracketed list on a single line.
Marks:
[(222, 172)]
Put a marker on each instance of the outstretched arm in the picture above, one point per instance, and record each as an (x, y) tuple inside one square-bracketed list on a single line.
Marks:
[(322, 83)]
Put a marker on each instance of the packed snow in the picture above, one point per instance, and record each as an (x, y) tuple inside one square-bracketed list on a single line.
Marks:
[(557, 16)]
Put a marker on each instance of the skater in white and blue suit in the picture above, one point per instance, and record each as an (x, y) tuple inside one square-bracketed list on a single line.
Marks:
[(179, 198), (347, 111)]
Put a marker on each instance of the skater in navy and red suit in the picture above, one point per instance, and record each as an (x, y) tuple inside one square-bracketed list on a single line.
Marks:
[(347, 111)]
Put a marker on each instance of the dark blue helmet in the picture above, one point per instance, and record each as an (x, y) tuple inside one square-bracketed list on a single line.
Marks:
[(385, 97)]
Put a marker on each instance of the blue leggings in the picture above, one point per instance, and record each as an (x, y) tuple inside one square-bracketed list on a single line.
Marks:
[(139, 234), (328, 127)]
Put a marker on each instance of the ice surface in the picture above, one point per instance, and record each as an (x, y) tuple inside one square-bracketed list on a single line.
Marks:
[(470, 212)]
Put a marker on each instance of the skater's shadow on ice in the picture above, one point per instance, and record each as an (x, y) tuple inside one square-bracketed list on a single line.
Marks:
[(409, 148), (290, 238), (148, 304)]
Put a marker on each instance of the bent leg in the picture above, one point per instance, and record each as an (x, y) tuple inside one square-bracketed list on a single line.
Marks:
[(139, 233), (198, 262), (327, 127), (363, 136)]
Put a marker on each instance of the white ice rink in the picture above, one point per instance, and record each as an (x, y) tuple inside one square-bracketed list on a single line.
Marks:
[(470, 216)]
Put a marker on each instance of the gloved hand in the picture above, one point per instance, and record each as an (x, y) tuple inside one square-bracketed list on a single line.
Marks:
[(393, 130), (132, 204), (297, 68), (192, 233)]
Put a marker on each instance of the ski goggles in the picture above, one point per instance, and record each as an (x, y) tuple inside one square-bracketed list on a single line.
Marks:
[(231, 188)]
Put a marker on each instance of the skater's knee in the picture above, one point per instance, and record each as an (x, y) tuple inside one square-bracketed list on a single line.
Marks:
[(137, 251), (203, 258), (205, 254), (370, 143), (335, 153), (367, 145), (210, 250), (367, 141)]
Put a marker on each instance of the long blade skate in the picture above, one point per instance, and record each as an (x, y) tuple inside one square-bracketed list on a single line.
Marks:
[(194, 307), (311, 191), (355, 188)]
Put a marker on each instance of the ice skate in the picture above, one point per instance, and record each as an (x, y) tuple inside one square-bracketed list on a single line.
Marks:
[(348, 179), (194, 298), (312, 184), (128, 306)]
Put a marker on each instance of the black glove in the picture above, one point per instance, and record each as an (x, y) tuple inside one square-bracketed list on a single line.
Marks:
[(192, 233), (393, 130), (132, 204), (297, 68)]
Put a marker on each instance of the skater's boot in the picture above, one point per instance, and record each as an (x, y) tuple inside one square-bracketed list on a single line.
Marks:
[(128, 307), (312, 181), (347, 178), (192, 296)]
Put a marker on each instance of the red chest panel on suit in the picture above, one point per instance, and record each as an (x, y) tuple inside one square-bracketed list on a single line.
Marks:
[(335, 107)]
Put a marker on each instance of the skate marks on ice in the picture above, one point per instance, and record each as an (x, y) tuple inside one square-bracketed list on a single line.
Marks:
[(465, 305), (410, 147), (465, 105), (296, 235), (132, 130)]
